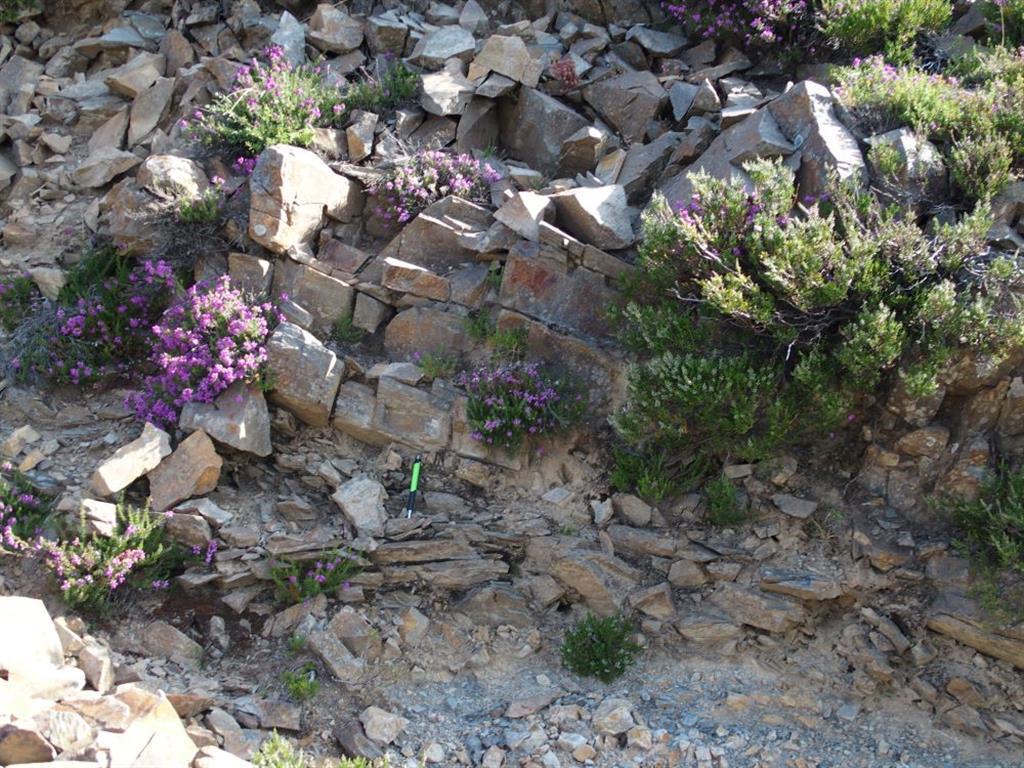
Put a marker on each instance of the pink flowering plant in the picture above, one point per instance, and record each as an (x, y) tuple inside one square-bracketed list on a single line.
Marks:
[(90, 569), (270, 102), (22, 511), (754, 23), (513, 401), (298, 581), (100, 324), (404, 191), (206, 341)]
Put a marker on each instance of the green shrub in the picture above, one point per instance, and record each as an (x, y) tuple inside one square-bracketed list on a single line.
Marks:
[(396, 85), (436, 365), (992, 525), (759, 322), (344, 332), (600, 647), (11, 10), (509, 343), (1008, 16), (722, 503), (647, 473), (278, 752), (297, 643), (865, 27), (479, 326), (981, 166), (301, 684), (17, 295), (297, 581), (202, 209)]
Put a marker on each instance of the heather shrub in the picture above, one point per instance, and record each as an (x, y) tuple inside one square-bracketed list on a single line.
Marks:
[(992, 525), (510, 402), (600, 647), (100, 324), (394, 86), (760, 321), (428, 176), (278, 752), (204, 342), (17, 295), (298, 581), (301, 683), (270, 102), (722, 503), (865, 27), (984, 109), (750, 22), (22, 511), (89, 569)]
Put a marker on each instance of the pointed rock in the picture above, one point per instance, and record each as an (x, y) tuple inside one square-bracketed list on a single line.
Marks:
[(237, 418), (131, 461), (192, 470)]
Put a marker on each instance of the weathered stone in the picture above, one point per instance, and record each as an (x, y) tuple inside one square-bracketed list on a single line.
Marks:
[(131, 461), (291, 36), (359, 135), (99, 517), (386, 34), (635, 510), (133, 78), (433, 238), (479, 127), (523, 212), (975, 635), (361, 499), (332, 29), (534, 127), (358, 635), (628, 102), (102, 166), (637, 542), (67, 731), (507, 56), (95, 661), (156, 735), (439, 45), (148, 109), (36, 645), (410, 278), (190, 530), (749, 606), (495, 605), (292, 189), (192, 470), (354, 410), (421, 328), (655, 601), (162, 640), (929, 441), (172, 177), (327, 298), (919, 175), (304, 374), (602, 582), (381, 726), (446, 93), (237, 418), (410, 416), (793, 506), (686, 574), (613, 716), (597, 215), (643, 163), (800, 584), (22, 744)]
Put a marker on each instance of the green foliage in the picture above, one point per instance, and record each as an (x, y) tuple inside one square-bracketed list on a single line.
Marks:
[(11, 10), (344, 332), (760, 322), (22, 511), (600, 647), (278, 752), (864, 27), (297, 581), (722, 503), (17, 294), (887, 160), (992, 526), (981, 166), (479, 326), (509, 343), (395, 86), (977, 119), (90, 567), (202, 209), (436, 365), (1008, 16), (297, 644), (301, 684)]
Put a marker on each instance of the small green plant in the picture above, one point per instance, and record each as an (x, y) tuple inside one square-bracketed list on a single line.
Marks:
[(992, 525), (886, 160), (479, 326), (436, 365), (600, 647), (301, 684), (297, 644), (647, 472), (509, 343), (344, 332), (17, 294), (296, 581), (722, 503), (981, 166), (22, 511), (494, 275), (11, 10), (396, 85), (278, 752), (865, 27), (363, 762), (202, 209)]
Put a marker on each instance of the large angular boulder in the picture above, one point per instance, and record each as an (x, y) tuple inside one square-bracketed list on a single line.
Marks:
[(237, 418), (507, 56), (292, 189), (334, 30), (149, 108), (192, 470), (361, 500), (628, 102), (102, 165), (325, 297), (534, 126), (441, 44), (304, 374), (172, 177), (131, 461), (596, 215)]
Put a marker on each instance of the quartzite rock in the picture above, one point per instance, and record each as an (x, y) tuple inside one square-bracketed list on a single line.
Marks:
[(534, 127), (102, 165), (444, 43), (149, 108), (596, 215), (381, 726), (304, 374), (292, 189), (172, 177), (238, 418), (750, 606), (334, 30), (628, 102), (192, 470), (507, 56), (162, 640), (131, 461), (361, 499)]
